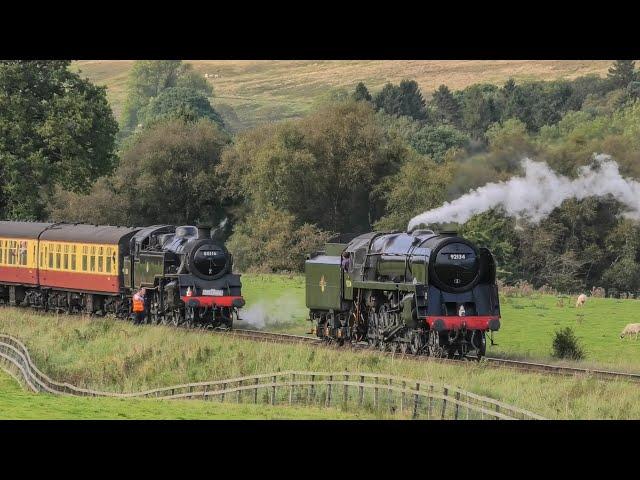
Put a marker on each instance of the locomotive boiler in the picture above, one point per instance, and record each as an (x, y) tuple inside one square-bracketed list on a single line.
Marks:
[(423, 292)]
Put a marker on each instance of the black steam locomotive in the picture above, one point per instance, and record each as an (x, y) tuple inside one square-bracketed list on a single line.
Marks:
[(78, 268), (422, 292)]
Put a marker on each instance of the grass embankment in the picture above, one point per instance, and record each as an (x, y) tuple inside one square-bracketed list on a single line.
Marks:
[(528, 323), (113, 355), (18, 404), (260, 91)]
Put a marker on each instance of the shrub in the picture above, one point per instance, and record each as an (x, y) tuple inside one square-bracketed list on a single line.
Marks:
[(566, 345)]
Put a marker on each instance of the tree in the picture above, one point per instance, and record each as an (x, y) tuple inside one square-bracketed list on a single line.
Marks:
[(479, 109), (56, 129), (166, 175), (621, 73), (446, 106), (404, 99), (148, 78), (361, 93), (419, 185), (322, 168), (180, 102), (435, 142), (270, 240)]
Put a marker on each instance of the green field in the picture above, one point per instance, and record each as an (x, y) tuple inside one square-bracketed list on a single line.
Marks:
[(528, 323), (18, 404), (269, 90)]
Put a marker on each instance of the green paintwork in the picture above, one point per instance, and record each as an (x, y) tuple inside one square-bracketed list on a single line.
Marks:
[(372, 285), (147, 267), (334, 249), (393, 266), (323, 283)]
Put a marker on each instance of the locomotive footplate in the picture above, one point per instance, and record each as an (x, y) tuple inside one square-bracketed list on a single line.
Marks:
[(481, 322)]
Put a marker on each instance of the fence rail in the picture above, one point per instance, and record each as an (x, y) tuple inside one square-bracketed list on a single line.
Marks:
[(385, 395)]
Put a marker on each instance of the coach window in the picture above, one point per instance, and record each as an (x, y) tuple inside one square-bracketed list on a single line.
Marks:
[(65, 257), (73, 257), (107, 260), (1, 251), (11, 254), (92, 259), (100, 258), (58, 256), (85, 266), (22, 252), (50, 250)]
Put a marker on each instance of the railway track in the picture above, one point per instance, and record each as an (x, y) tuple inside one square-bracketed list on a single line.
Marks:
[(517, 365)]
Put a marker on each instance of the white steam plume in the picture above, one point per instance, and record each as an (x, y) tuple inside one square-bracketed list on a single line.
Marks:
[(272, 313), (535, 195)]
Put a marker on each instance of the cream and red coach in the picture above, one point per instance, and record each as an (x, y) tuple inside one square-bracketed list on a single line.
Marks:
[(95, 269), (69, 267)]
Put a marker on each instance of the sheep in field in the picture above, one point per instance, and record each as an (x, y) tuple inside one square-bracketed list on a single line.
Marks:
[(581, 300), (631, 329)]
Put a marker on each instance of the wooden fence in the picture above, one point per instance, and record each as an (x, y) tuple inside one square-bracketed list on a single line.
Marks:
[(384, 395)]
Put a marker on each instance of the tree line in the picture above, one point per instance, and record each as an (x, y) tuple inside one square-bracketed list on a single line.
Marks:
[(362, 160)]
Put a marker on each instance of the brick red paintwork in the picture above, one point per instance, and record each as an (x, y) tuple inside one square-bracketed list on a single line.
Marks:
[(80, 281), (454, 322), (19, 275), (207, 301)]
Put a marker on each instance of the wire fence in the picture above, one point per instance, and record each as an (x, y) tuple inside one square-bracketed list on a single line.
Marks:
[(384, 396)]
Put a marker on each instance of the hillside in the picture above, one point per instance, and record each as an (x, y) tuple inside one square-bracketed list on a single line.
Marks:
[(260, 90)]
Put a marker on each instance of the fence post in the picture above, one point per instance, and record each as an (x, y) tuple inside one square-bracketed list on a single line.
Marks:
[(224, 387), (313, 389), (240, 382), (293, 379), (416, 401), (457, 405), (361, 393), (204, 393), (328, 399), (444, 403), (346, 388), (273, 391), (404, 385), (392, 403), (375, 395), (255, 392)]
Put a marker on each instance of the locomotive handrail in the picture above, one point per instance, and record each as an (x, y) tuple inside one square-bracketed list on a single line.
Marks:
[(308, 386)]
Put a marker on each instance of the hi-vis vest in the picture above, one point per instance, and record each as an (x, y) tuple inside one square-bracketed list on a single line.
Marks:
[(138, 303)]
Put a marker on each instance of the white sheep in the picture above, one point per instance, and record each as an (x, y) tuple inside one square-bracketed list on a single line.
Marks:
[(630, 329), (581, 300)]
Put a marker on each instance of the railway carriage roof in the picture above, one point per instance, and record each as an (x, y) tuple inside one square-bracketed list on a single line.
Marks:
[(81, 233), (22, 229)]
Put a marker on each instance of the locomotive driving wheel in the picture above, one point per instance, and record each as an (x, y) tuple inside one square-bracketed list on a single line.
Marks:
[(434, 348), (415, 345)]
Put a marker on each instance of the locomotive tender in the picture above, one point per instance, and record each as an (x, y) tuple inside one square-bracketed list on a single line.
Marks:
[(94, 269), (422, 292)]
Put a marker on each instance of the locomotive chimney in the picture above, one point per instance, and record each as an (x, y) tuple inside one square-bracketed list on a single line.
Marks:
[(204, 231)]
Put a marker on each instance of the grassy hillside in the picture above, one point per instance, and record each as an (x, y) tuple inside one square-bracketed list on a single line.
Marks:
[(18, 404), (114, 355), (261, 90)]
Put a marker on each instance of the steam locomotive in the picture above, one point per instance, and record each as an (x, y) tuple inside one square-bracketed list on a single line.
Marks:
[(423, 292), (78, 268)]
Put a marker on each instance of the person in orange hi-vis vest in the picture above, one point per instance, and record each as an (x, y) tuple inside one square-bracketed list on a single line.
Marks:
[(138, 306)]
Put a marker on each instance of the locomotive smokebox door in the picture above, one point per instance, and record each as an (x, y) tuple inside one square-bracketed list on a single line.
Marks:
[(323, 282)]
